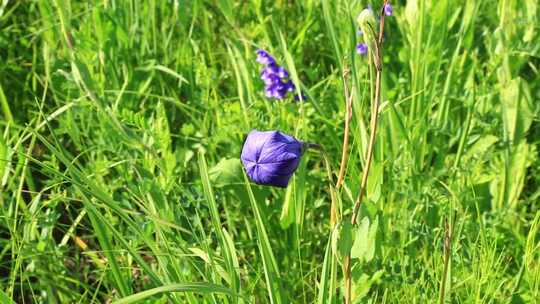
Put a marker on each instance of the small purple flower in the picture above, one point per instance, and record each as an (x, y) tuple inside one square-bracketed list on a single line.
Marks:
[(265, 58), (362, 49), (271, 157), (273, 68), (282, 72), (388, 10), (276, 90), (289, 86), (269, 77)]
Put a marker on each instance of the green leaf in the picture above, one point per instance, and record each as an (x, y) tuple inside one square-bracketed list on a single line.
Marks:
[(372, 237), (520, 161), (481, 146), (373, 190), (362, 283), (288, 211), (359, 248), (228, 171), (365, 242), (345, 239), (5, 299), (517, 113)]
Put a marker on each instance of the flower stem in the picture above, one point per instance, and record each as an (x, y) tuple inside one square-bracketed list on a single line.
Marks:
[(377, 56), (348, 115)]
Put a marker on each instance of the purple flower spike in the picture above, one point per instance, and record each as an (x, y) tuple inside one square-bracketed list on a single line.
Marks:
[(275, 77), (271, 157), (265, 58), (362, 49), (388, 10)]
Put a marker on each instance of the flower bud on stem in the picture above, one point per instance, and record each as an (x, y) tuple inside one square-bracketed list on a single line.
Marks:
[(366, 21)]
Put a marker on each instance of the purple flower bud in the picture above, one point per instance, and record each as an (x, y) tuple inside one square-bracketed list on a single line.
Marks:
[(265, 58), (388, 10), (271, 157), (359, 33), (362, 49)]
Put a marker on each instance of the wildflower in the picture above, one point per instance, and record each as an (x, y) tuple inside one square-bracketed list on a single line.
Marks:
[(282, 72), (275, 77), (362, 49), (269, 77), (388, 10), (277, 90), (271, 157), (289, 86)]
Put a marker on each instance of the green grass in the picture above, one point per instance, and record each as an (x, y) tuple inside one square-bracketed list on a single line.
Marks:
[(121, 125)]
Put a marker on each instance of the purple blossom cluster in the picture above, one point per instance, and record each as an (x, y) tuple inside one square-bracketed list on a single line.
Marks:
[(275, 77)]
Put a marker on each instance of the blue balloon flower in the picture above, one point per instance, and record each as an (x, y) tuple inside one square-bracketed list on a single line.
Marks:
[(271, 157)]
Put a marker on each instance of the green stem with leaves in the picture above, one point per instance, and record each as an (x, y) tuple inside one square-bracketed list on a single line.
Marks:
[(376, 53)]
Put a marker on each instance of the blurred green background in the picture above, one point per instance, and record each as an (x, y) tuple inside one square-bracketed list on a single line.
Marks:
[(121, 125)]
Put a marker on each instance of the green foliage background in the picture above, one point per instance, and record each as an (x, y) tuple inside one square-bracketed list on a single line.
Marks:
[(121, 124)]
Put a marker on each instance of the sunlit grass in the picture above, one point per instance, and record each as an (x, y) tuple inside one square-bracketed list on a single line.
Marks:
[(121, 124)]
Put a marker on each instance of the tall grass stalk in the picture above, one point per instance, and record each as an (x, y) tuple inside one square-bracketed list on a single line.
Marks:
[(376, 54)]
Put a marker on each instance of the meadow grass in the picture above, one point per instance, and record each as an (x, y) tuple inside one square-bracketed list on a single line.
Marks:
[(122, 121)]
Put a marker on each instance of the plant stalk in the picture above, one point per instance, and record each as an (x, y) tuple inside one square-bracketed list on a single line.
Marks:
[(377, 56), (348, 116)]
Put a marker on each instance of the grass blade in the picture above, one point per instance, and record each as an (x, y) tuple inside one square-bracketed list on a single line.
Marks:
[(202, 288), (271, 272)]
